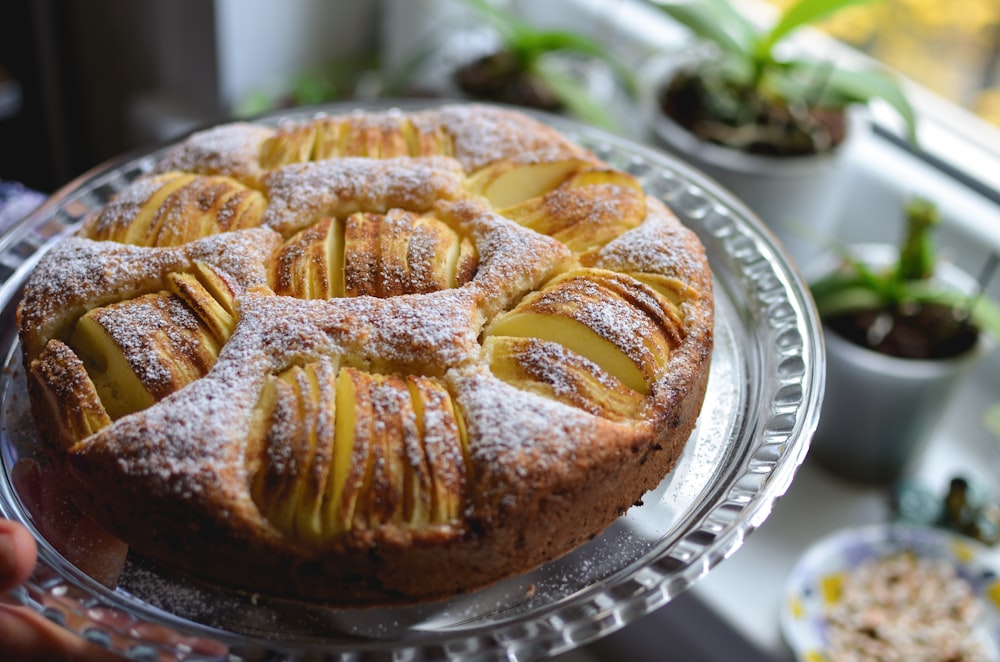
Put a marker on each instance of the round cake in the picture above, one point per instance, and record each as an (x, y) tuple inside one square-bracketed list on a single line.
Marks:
[(368, 359)]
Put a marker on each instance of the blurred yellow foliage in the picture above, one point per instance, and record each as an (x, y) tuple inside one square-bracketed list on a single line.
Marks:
[(950, 47), (987, 105)]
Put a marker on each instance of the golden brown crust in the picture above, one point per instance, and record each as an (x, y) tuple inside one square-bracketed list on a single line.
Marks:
[(348, 388)]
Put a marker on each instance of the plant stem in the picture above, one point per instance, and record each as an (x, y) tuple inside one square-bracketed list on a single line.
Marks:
[(916, 254)]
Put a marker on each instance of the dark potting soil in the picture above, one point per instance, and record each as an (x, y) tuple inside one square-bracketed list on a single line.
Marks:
[(739, 118), (930, 331), (498, 77)]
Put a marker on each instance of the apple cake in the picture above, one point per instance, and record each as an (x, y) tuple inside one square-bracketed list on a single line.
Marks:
[(368, 359)]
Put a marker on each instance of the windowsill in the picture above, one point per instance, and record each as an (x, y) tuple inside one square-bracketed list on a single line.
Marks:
[(958, 167), (949, 136)]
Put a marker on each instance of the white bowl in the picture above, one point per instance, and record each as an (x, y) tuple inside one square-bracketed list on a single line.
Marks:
[(810, 590)]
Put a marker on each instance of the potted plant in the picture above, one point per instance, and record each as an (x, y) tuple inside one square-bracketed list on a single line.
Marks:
[(516, 63), (765, 120), (336, 80), (900, 327)]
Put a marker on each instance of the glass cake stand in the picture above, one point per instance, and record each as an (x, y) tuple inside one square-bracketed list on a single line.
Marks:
[(762, 407)]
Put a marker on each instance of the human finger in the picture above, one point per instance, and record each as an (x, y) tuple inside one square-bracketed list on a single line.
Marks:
[(18, 554), (74, 535), (26, 635)]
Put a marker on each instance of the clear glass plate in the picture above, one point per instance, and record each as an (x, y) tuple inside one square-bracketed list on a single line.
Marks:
[(762, 407)]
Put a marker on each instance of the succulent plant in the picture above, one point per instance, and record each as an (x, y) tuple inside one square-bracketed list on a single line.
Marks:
[(906, 289)]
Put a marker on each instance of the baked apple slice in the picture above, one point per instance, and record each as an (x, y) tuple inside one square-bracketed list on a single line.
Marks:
[(362, 248), (421, 254), (209, 296), (352, 449), (355, 451), (415, 465), (672, 289), (382, 140), (305, 471), (141, 350), (339, 137), (294, 459), (437, 258), (375, 255), (617, 322), (443, 444), (430, 140), (292, 144), (74, 407), (587, 211), (404, 253), (549, 369), (394, 434), (176, 208), (310, 265), (120, 360), (509, 182)]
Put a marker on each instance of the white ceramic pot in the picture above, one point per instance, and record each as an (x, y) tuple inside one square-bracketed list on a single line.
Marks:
[(797, 198), (878, 410)]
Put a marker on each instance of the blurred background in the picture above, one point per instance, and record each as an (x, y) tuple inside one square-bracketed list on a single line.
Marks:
[(952, 48), (81, 82), (85, 81)]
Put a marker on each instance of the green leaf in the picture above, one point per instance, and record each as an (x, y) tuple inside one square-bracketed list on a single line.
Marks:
[(869, 84), (800, 14), (575, 97), (917, 257), (716, 21), (982, 312), (255, 103), (312, 88), (830, 85), (832, 282), (881, 283), (529, 44), (570, 42), (511, 28), (855, 286), (986, 315), (804, 81), (846, 292), (845, 299)]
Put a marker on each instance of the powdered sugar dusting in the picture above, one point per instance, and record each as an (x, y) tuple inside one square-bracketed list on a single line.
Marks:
[(512, 261), (154, 332), (661, 245), (517, 432), (81, 274), (230, 149), (127, 204), (302, 193), (484, 135), (189, 451)]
